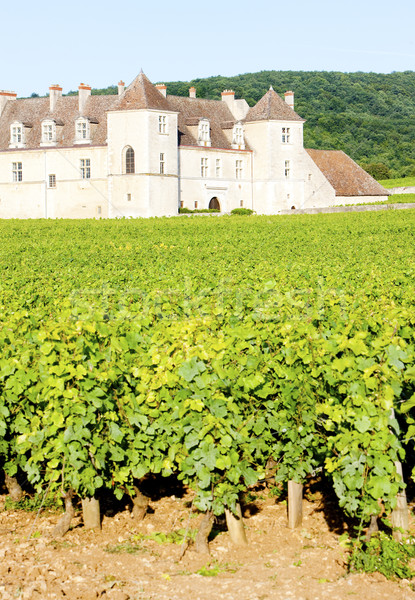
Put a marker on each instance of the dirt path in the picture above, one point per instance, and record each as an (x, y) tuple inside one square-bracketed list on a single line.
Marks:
[(128, 561)]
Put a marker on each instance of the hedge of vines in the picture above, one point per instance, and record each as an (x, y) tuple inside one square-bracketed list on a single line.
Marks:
[(202, 348)]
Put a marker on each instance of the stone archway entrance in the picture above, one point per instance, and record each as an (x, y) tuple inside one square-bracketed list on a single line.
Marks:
[(214, 203)]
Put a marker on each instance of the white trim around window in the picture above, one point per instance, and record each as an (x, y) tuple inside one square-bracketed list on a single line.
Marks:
[(48, 133), (238, 141), (203, 133), (85, 168), (163, 124), (17, 135), (239, 169), (204, 167), (218, 168), (162, 163), (285, 135), (17, 172), (82, 131)]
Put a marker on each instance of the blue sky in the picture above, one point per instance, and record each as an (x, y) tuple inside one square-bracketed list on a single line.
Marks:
[(97, 43)]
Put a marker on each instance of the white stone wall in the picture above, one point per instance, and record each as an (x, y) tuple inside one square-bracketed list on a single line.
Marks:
[(318, 192), (147, 192), (226, 188), (72, 197), (111, 192), (273, 190)]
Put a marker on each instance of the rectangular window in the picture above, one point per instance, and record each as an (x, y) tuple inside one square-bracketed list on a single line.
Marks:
[(17, 171), (162, 163), (204, 167), (285, 135), (82, 132), (239, 169), (85, 168), (287, 168), (128, 197), (241, 203), (195, 203), (99, 210), (52, 181), (162, 124), (17, 134), (218, 167), (47, 132), (204, 133)]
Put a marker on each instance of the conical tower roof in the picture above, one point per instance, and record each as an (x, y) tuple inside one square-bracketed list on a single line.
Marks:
[(271, 108), (141, 93)]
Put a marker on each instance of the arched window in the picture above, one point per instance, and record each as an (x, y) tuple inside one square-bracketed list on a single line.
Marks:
[(129, 160)]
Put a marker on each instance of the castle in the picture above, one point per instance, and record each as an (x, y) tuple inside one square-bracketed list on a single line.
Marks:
[(144, 153)]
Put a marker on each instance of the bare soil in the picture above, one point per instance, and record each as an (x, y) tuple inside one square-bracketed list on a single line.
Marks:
[(126, 561)]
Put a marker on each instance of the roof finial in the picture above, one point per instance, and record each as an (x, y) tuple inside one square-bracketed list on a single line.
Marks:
[(141, 71), (271, 88)]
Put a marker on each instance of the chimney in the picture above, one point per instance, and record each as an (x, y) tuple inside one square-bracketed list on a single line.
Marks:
[(162, 88), (4, 97), (121, 87), (84, 91), (228, 96), (289, 98), (192, 92), (55, 92)]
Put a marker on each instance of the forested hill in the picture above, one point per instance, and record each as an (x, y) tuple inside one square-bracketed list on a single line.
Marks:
[(371, 116)]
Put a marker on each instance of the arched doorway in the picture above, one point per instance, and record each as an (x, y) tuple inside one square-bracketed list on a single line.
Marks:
[(214, 203)]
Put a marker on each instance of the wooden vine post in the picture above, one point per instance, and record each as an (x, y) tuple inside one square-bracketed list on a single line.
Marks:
[(65, 521), (399, 515), (295, 504), (202, 537), (140, 505), (236, 527), (13, 487), (91, 513)]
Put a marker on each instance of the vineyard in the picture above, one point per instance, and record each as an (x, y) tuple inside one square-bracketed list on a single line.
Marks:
[(220, 352)]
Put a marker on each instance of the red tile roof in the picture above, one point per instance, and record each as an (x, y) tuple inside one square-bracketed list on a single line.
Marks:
[(346, 177), (191, 110), (141, 93), (271, 108), (36, 110)]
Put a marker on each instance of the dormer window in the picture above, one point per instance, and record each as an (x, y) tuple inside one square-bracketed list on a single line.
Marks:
[(203, 137), (17, 137), (238, 142), (82, 131), (48, 133)]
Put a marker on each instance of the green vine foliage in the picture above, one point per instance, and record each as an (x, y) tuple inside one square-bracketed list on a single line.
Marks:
[(384, 555), (202, 348)]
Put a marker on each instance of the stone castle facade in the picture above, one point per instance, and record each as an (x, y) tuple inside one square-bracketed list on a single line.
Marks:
[(144, 153)]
